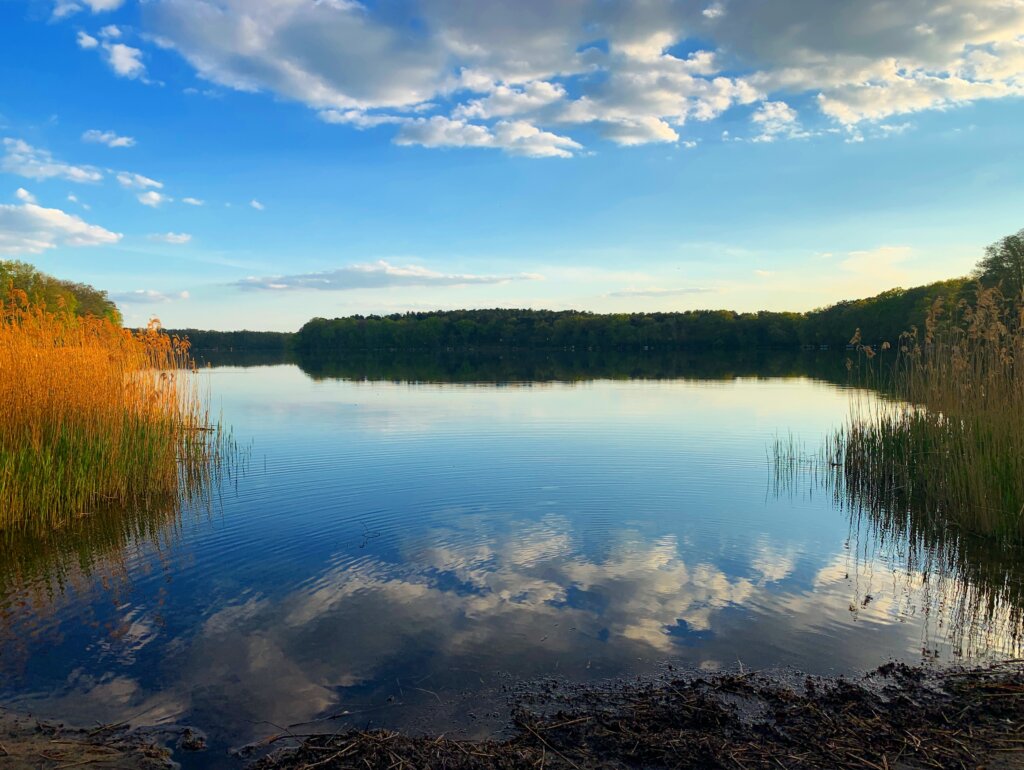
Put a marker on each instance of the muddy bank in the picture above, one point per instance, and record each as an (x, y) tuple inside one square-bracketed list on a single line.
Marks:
[(28, 743), (896, 718)]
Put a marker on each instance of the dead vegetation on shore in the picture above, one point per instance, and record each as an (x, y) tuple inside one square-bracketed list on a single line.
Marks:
[(897, 718), (31, 744)]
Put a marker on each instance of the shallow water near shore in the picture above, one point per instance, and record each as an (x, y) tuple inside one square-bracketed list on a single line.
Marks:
[(401, 550)]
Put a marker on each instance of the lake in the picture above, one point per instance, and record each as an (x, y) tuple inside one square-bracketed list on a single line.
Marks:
[(406, 551)]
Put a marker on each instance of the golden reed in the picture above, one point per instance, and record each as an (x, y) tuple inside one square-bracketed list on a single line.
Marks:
[(94, 417)]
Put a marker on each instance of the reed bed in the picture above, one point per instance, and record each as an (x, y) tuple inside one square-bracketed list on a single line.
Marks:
[(96, 417), (937, 430)]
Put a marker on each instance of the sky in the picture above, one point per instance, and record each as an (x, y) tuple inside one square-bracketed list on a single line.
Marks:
[(234, 164)]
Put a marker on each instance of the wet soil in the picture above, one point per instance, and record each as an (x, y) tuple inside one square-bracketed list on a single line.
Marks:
[(896, 718)]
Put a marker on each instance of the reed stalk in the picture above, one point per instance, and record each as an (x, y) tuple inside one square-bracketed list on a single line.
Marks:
[(96, 417), (938, 431)]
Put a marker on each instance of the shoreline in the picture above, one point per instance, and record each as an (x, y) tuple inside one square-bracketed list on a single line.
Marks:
[(896, 717)]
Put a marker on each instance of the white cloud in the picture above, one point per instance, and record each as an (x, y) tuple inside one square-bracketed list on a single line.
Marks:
[(173, 238), (504, 101), (65, 8), (713, 11), (125, 60), (138, 181), (522, 138), (519, 62), (776, 119), (358, 118), (108, 138), (376, 275), (629, 132), (25, 160), (518, 137), (257, 205), (440, 131), (152, 198), (86, 41), (24, 195), (193, 201), (32, 229), (147, 297)]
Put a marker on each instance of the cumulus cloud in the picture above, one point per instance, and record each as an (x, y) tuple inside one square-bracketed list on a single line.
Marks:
[(86, 41), (193, 201), (152, 198), (551, 66), (517, 137), (23, 159), (629, 132), (504, 101), (147, 297), (32, 229), (174, 238), (376, 275), (24, 195), (125, 61), (775, 120), (257, 205), (109, 138)]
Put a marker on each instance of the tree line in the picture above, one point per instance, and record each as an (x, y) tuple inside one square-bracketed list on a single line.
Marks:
[(77, 298), (203, 340), (880, 318)]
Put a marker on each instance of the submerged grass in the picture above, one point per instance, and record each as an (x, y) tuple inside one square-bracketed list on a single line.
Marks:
[(94, 417)]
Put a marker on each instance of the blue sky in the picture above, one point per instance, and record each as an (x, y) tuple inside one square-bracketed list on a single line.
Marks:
[(251, 164)]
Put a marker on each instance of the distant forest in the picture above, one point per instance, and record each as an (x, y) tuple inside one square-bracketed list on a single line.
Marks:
[(241, 341), (880, 318)]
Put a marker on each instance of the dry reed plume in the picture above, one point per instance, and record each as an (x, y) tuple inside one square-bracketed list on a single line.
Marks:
[(94, 416)]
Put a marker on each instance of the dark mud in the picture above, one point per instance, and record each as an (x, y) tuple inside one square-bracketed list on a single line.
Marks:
[(896, 718)]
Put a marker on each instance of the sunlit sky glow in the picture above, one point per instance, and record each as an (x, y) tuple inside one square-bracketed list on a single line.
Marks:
[(253, 163)]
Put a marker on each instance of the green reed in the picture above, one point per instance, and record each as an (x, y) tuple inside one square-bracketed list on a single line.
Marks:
[(938, 430)]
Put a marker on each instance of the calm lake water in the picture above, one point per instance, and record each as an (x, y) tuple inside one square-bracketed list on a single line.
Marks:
[(403, 551)]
